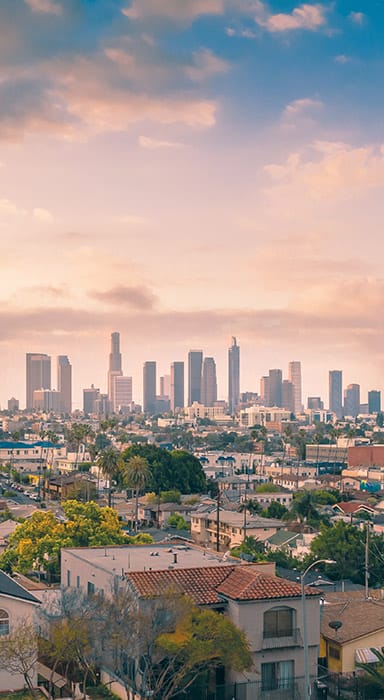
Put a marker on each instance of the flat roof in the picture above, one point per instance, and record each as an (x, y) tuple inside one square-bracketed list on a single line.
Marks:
[(156, 557)]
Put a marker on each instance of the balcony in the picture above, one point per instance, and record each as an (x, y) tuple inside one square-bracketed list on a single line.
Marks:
[(279, 641)]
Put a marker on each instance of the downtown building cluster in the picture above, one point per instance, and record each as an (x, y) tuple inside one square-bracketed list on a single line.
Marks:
[(190, 384)]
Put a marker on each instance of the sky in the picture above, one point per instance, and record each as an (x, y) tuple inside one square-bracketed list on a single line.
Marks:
[(184, 171)]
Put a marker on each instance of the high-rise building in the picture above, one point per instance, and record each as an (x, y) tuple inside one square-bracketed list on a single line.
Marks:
[(315, 403), (122, 392), (374, 401), (177, 386), (47, 400), (195, 365), (165, 386), (336, 392), (287, 395), (13, 404), (264, 391), (114, 367), (149, 387), (275, 387), (89, 397), (38, 374), (233, 377), (64, 383), (294, 376), (208, 382), (352, 400)]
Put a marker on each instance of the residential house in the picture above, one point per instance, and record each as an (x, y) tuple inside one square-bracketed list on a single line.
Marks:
[(268, 609), (228, 529), (350, 626), (17, 605)]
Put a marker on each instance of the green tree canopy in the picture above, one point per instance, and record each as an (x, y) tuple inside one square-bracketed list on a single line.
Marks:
[(36, 543), (169, 470), (345, 544)]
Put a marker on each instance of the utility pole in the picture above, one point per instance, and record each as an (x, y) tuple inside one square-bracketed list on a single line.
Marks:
[(366, 567), (218, 521)]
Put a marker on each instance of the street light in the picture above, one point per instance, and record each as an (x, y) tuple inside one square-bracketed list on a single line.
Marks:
[(307, 692)]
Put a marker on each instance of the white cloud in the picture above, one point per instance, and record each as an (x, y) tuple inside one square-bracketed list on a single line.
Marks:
[(343, 58), (357, 17), (300, 107), (8, 208), (42, 215), (173, 9), (245, 33), (156, 144), (205, 65), (310, 17), (44, 6), (134, 220)]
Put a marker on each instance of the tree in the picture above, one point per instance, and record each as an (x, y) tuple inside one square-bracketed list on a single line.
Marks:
[(36, 543), (252, 548), (303, 509), (79, 434), (345, 545), (187, 643), (18, 653), (169, 470), (137, 476), (176, 520), (275, 510), (108, 461)]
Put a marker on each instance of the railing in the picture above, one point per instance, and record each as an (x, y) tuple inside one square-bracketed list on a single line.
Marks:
[(293, 639)]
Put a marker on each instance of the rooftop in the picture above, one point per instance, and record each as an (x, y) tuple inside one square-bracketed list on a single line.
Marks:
[(359, 617), (11, 589)]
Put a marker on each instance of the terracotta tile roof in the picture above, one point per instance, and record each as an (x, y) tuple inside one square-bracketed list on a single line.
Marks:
[(246, 583), (199, 583), (210, 585)]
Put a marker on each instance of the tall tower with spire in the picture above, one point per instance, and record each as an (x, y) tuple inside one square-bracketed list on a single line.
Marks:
[(114, 368)]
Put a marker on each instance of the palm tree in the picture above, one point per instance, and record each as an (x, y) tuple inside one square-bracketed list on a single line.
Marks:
[(137, 476), (108, 463)]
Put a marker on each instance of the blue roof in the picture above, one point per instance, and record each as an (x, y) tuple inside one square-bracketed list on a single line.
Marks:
[(8, 445)]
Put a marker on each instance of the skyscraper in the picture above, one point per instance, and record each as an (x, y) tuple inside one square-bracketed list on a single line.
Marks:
[(264, 391), (287, 395), (64, 383), (177, 385), (336, 392), (114, 369), (352, 400), (38, 374), (374, 401), (275, 387), (195, 364), (122, 392), (149, 387), (208, 382), (233, 377), (90, 396), (294, 376)]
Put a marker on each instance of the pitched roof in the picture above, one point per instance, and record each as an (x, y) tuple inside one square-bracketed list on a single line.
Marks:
[(10, 588), (359, 617), (353, 506), (247, 583), (210, 585)]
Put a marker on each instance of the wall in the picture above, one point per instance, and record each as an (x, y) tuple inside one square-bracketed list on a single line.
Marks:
[(18, 611)]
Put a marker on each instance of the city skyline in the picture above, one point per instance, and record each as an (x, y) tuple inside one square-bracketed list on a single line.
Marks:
[(152, 151), (281, 387)]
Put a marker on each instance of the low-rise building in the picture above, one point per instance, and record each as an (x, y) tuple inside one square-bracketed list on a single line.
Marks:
[(228, 529)]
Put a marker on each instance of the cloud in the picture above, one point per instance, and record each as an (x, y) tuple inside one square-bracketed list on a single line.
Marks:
[(309, 17), (157, 144), (42, 215), (300, 107), (140, 298), (357, 17), (8, 208), (205, 65), (44, 7), (329, 170), (175, 10), (134, 220), (343, 59), (244, 33)]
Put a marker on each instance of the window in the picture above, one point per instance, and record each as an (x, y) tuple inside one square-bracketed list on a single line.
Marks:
[(277, 675), (334, 652), (278, 622), (4, 623), (90, 588), (77, 581), (68, 578)]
